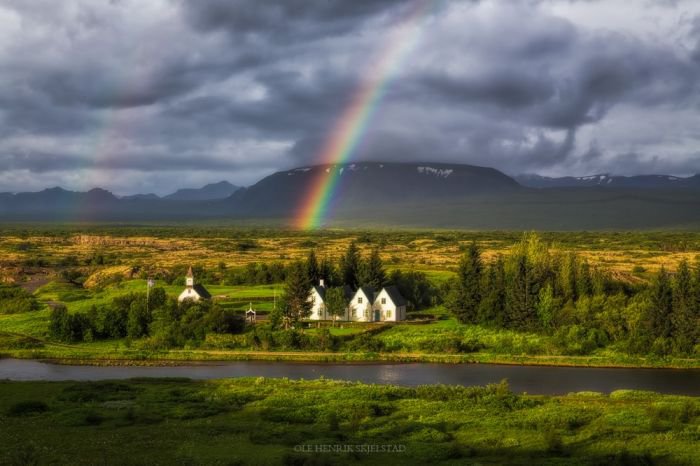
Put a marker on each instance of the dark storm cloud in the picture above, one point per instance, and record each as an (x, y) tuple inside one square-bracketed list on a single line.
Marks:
[(180, 92), (287, 20)]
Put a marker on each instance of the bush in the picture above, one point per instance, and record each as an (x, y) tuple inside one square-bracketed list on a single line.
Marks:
[(366, 342), (576, 340), (27, 408), (15, 300)]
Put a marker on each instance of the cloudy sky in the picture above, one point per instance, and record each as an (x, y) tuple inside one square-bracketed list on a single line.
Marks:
[(149, 96)]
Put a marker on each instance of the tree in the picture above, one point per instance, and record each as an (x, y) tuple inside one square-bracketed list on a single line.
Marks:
[(683, 320), (139, 319), (157, 298), (296, 295), (416, 288), (661, 305), (59, 323), (372, 272), (521, 293), (465, 292), (335, 302), (313, 272), (584, 282), (493, 304), (350, 266), (328, 272), (547, 306), (566, 277)]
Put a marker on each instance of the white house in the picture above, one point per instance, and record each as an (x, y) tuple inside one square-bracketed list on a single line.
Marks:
[(360, 306), (364, 305), (318, 306), (389, 305), (193, 291), (317, 298)]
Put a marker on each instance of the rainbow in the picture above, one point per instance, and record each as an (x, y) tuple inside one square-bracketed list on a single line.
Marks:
[(351, 126)]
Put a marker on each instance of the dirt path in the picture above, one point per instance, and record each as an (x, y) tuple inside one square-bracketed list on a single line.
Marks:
[(35, 282)]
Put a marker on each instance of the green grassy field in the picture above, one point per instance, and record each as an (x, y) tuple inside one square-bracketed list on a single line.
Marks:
[(278, 421)]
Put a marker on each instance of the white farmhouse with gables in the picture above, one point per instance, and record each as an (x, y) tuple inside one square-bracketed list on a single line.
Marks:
[(364, 305), (193, 291), (318, 305)]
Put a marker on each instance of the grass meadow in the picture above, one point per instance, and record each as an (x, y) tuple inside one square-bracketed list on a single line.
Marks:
[(278, 421)]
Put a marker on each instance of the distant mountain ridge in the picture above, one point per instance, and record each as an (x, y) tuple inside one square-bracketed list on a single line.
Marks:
[(367, 183), (610, 181), (220, 190), (405, 195), (209, 192)]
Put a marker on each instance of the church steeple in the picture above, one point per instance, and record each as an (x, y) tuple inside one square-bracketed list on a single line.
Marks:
[(189, 278)]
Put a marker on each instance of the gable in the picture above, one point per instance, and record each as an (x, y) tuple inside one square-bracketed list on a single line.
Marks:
[(366, 293), (392, 294)]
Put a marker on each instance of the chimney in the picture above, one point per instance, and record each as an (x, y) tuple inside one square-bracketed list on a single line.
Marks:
[(321, 283)]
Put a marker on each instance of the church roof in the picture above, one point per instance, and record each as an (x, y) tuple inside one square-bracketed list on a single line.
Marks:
[(189, 273), (201, 291)]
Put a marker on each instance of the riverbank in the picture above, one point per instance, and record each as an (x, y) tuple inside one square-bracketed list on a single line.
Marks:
[(278, 421), (124, 357)]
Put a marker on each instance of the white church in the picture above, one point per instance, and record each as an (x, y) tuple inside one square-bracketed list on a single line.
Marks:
[(193, 291), (364, 304)]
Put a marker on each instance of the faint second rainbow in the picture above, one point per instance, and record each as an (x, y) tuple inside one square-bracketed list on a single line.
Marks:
[(350, 127)]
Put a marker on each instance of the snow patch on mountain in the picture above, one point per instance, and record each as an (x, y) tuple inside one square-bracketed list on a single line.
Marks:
[(439, 172)]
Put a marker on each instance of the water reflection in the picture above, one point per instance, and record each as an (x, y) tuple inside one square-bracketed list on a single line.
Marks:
[(530, 379)]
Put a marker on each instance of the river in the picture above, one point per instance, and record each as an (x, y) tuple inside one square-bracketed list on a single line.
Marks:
[(545, 380)]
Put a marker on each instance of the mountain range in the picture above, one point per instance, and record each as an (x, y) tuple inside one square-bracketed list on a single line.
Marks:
[(610, 181), (376, 194), (220, 190)]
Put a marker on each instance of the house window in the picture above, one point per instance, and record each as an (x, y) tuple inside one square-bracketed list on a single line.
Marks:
[(383, 300), (359, 300), (388, 314)]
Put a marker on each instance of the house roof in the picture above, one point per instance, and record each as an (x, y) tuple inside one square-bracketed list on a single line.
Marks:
[(368, 291), (201, 291), (395, 295), (347, 289), (321, 290)]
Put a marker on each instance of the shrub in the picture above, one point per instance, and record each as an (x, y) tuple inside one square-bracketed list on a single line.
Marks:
[(577, 340), (15, 300), (27, 408)]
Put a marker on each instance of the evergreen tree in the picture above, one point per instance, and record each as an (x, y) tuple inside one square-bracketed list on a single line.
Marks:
[(493, 304), (661, 305), (584, 282), (313, 271), (328, 272), (350, 266), (521, 293), (296, 295), (464, 297), (683, 316), (372, 271)]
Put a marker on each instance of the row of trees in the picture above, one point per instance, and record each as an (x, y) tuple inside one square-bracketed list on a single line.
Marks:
[(134, 315), (523, 289), (533, 289)]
